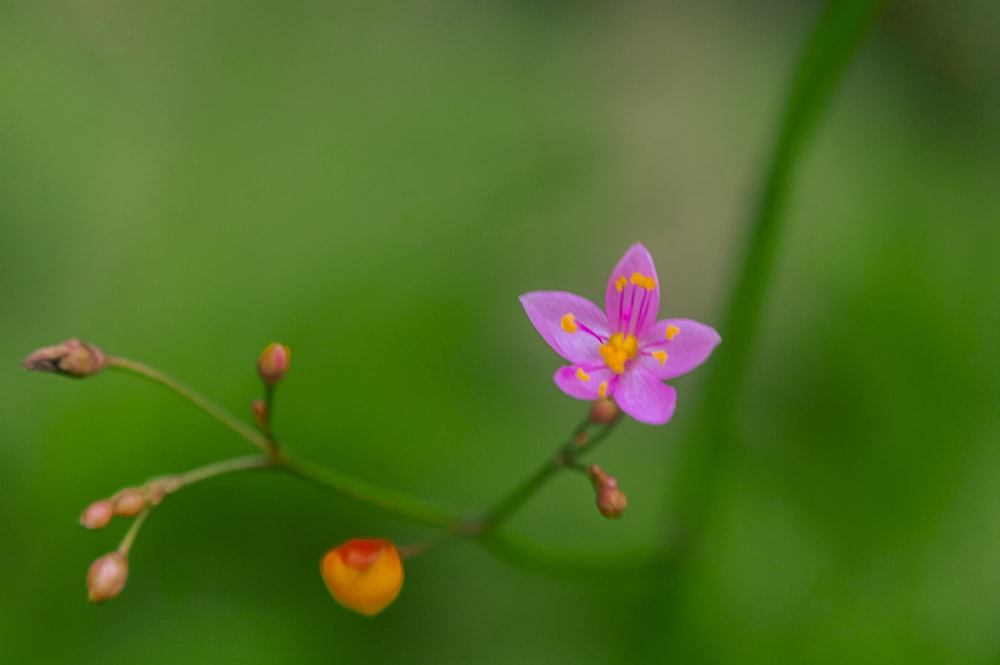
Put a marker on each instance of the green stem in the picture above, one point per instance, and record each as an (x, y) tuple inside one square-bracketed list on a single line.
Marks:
[(566, 457), (708, 458), (829, 48), (220, 468), (387, 499), (217, 412), (370, 493), (133, 531), (376, 495)]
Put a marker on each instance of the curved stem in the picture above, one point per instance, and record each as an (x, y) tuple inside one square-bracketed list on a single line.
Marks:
[(370, 493), (578, 444), (206, 405), (422, 510)]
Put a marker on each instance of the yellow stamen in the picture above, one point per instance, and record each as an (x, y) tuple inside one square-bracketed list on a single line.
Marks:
[(569, 323), (618, 350), (580, 374), (661, 356), (672, 332), (620, 283), (602, 390), (647, 283)]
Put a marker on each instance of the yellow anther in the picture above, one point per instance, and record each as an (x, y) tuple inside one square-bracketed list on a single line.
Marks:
[(580, 374), (620, 283), (672, 332), (569, 323), (661, 356), (602, 390), (618, 350), (647, 283)]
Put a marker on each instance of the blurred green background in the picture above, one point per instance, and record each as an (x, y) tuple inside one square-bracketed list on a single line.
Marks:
[(374, 184)]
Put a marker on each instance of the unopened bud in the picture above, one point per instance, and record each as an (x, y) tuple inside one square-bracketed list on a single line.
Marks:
[(611, 500), (364, 575), (259, 409), (604, 411), (97, 515), (129, 502), (71, 358), (273, 363), (106, 577)]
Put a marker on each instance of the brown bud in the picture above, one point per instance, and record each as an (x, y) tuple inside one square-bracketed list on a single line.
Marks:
[(129, 502), (71, 358), (106, 577), (611, 501), (259, 409), (97, 515), (273, 363), (604, 411)]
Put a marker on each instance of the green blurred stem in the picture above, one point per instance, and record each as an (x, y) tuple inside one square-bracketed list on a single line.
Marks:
[(828, 50)]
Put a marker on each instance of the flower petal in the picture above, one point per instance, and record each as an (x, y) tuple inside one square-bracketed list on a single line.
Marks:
[(689, 344), (547, 311), (644, 397), (629, 304), (584, 381)]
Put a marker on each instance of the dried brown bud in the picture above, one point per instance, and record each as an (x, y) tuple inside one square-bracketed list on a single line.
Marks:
[(106, 577), (129, 502), (97, 515), (273, 363), (604, 411), (71, 358)]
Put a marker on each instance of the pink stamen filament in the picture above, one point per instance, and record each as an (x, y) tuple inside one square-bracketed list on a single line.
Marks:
[(591, 333)]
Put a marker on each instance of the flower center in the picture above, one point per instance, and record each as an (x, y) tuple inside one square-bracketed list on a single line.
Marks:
[(618, 350)]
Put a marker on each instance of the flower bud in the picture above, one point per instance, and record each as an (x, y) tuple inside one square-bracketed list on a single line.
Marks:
[(604, 411), (611, 500), (259, 409), (129, 502), (97, 515), (71, 358), (273, 363), (363, 575), (106, 577)]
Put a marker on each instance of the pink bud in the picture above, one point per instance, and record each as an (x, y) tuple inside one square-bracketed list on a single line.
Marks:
[(129, 502), (273, 363), (106, 577), (97, 515), (604, 411)]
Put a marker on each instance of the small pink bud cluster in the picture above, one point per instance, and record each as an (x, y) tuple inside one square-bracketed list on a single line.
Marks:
[(611, 500), (128, 502)]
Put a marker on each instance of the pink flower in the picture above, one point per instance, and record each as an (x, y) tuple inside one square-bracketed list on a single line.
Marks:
[(624, 351)]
